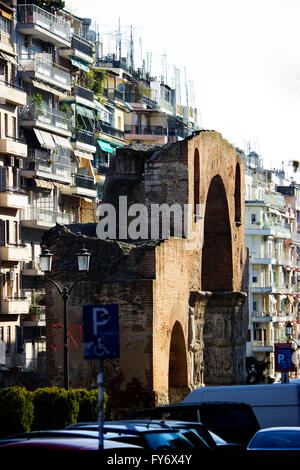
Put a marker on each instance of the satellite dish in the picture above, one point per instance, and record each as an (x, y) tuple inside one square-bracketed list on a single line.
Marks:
[(121, 87)]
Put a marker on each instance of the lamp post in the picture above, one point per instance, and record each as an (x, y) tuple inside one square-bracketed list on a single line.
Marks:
[(83, 258)]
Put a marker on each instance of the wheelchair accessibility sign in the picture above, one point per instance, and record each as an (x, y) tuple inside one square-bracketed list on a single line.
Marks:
[(101, 331)]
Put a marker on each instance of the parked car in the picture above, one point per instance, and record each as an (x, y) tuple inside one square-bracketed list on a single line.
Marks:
[(274, 439), (234, 422), (67, 444), (154, 438), (204, 438), (137, 435)]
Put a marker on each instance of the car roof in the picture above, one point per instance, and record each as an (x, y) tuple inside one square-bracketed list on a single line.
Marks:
[(69, 443), (279, 428)]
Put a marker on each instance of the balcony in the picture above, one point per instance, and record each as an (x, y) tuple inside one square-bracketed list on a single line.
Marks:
[(13, 146), (32, 268), (42, 116), (262, 346), (36, 316), (14, 305), (14, 252), (146, 130), (113, 94), (12, 93), (41, 69), (104, 128), (84, 140), (81, 95), (80, 48), (43, 164), (35, 21), (261, 317), (44, 218), (13, 198), (6, 44), (84, 186), (146, 133)]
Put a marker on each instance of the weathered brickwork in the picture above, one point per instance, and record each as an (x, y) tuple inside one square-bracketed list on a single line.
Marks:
[(182, 313)]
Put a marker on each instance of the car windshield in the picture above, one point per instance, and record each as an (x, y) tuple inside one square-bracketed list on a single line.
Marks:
[(276, 440), (167, 441)]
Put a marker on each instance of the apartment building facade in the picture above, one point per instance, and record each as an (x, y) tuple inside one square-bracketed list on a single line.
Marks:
[(270, 236), (13, 199)]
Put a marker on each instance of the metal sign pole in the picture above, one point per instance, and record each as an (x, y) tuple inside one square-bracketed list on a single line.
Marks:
[(100, 403)]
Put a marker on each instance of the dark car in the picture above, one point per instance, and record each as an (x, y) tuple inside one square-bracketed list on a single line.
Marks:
[(154, 438), (275, 439), (194, 432), (66, 444), (139, 435), (234, 422)]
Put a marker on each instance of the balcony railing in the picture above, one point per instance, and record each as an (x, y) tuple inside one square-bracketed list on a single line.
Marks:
[(46, 115), (83, 93), (32, 14), (82, 45), (45, 162), (101, 126), (113, 94), (47, 216), (84, 136), (5, 38), (11, 84), (47, 70), (150, 130), (85, 182)]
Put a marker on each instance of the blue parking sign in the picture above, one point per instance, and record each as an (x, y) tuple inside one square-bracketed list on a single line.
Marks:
[(284, 361), (100, 325)]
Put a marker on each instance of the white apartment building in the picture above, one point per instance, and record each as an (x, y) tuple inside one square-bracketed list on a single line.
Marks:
[(270, 236)]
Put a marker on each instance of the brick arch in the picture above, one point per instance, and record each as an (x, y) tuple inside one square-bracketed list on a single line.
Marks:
[(217, 269), (178, 368)]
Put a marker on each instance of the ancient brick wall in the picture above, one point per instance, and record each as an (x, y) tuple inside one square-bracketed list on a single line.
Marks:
[(183, 318)]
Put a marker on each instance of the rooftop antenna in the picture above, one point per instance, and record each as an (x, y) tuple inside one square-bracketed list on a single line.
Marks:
[(131, 49), (119, 41), (186, 88)]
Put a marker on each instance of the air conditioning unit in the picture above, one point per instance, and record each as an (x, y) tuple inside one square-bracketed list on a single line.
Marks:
[(10, 276), (19, 163), (9, 161)]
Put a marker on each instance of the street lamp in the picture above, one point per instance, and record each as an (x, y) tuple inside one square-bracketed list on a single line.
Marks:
[(83, 258), (289, 330)]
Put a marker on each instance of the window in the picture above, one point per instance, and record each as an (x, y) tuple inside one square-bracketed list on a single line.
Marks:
[(1, 333), (7, 231), (6, 124), (14, 127), (253, 218), (254, 276), (8, 339), (16, 232), (254, 305)]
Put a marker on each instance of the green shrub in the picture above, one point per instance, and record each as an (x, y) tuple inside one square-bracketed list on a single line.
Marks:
[(88, 404), (54, 408), (16, 410)]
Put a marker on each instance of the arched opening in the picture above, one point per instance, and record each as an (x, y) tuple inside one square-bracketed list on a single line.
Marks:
[(217, 269), (196, 181), (237, 196), (178, 376)]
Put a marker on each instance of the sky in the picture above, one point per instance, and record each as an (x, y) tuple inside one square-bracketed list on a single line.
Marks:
[(243, 57)]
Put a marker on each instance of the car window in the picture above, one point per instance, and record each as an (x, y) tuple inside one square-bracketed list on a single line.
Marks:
[(194, 438), (218, 440), (276, 440), (167, 441)]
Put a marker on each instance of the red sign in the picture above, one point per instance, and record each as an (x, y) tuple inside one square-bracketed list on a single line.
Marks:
[(284, 360)]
